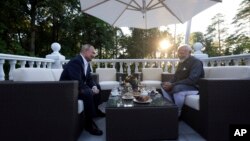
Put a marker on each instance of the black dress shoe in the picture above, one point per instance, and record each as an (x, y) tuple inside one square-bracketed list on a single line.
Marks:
[(93, 129), (99, 113)]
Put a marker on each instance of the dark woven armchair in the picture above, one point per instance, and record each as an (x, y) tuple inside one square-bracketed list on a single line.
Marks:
[(39, 111), (223, 102)]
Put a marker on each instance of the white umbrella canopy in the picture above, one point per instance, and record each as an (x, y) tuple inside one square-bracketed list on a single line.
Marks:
[(144, 14)]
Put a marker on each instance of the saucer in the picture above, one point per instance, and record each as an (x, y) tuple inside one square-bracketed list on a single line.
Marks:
[(114, 93)]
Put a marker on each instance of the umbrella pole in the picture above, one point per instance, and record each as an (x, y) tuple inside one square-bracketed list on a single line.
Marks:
[(188, 31), (175, 48)]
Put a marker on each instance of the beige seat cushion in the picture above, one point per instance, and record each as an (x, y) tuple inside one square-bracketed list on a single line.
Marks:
[(80, 106), (107, 78), (193, 101), (108, 85), (229, 72), (151, 77), (151, 74), (151, 83), (32, 74), (106, 74)]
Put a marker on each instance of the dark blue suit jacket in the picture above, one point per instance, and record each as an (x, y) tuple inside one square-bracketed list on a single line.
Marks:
[(74, 70)]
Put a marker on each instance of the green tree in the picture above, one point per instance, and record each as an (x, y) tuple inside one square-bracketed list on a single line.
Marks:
[(215, 36), (241, 39), (196, 37), (218, 24), (30, 26), (210, 49)]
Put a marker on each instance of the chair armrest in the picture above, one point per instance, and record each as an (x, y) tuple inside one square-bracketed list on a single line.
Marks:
[(231, 93), (223, 102), (166, 76), (95, 77), (39, 110)]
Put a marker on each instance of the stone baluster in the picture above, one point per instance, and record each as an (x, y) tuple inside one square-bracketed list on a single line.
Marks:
[(106, 64), (236, 62), (136, 67), (129, 68), (166, 66), (159, 64), (38, 64), (227, 62), (121, 67), (2, 75), (172, 66), (219, 62), (205, 63), (44, 64), (212, 63), (98, 65), (143, 64), (22, 63), (113, 63), (150, 64), (31, 64), (12, 67), (247, 61), (49, 65)]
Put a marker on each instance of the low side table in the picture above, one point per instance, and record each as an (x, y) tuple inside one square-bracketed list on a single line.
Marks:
[(157, 120)]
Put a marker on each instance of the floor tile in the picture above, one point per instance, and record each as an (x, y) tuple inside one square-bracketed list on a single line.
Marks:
[(186, 133)]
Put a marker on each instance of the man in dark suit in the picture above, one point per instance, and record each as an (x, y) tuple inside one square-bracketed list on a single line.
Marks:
[(79, 69)]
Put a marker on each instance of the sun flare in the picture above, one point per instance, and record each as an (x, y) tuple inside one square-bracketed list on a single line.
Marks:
[(164, 44)]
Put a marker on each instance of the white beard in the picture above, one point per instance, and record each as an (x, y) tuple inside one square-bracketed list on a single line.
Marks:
[(183, 59)]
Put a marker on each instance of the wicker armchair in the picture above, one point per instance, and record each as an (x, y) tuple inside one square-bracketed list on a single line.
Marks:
[(39, 111), (223, 101)]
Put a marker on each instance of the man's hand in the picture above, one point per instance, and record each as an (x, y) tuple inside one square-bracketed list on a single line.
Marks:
[(167, 86), (95, 90)]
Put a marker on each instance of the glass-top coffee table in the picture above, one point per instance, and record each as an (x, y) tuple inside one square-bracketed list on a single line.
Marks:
[(157, 120)]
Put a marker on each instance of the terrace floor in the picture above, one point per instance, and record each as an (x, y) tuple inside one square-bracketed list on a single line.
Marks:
[(186, 133)]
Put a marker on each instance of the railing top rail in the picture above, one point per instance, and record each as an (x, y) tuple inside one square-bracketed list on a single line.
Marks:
[(227, 57), (132, 60), (23, 58)]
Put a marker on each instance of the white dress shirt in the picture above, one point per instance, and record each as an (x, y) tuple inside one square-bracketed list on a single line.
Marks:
[(85, 65)]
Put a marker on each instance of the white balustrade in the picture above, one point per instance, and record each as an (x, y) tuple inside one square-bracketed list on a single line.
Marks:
[(2, 75), (126, 65), (12, 67), (56, 56), (160, 63), (18, 60)]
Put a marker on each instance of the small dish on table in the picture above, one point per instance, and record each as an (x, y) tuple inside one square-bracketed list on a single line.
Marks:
[(142, 99)]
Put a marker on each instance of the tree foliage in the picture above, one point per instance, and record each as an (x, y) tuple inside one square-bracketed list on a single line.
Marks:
[(240, 41), (29, 27)]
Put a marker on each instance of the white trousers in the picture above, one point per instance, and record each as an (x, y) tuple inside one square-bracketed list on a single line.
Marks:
[(179, 97)]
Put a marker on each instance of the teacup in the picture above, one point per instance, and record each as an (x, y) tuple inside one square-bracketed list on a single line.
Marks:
[(114, 91), (144, 92)]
